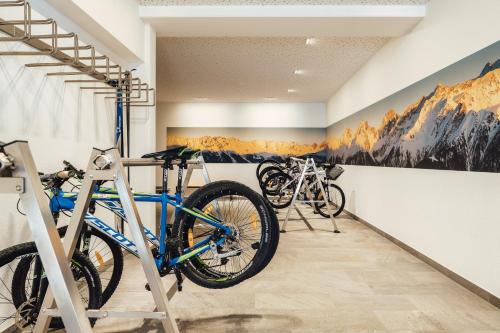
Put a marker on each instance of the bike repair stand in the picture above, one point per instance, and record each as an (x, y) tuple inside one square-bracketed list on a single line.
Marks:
[(25, 181), (106, 165), (308, 168)]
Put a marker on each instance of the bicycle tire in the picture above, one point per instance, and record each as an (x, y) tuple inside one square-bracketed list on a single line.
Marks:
[(280, 178), (260, 166), (268, 171), (26, 252), (117, 257), (275, 236), (321, 207), (193, 268)]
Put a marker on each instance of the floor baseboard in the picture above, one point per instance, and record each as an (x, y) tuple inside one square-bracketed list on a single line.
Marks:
[(484, 294)]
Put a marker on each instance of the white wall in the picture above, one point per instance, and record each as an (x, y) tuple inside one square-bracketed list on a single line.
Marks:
[(62, 122), (113, 26), (452, 217), (235, 115), (143, 131)]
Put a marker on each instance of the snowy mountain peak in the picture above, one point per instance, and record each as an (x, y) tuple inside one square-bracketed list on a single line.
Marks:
[(390, 116), (366, 136), (454, 127)]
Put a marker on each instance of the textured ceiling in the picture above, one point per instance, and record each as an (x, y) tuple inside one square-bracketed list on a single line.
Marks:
[(252, 69), (277, 2)]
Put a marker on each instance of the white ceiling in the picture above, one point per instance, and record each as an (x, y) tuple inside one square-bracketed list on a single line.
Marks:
[(253, 69), (221, 51), (277, 2)]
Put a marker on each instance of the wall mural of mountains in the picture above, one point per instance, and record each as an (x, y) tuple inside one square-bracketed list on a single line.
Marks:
[(249, 145), (450, 121)]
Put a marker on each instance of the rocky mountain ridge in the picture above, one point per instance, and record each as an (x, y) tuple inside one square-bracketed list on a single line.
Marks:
[(454, 127)]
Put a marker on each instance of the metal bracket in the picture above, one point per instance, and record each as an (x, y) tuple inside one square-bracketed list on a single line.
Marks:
[(12, 185)]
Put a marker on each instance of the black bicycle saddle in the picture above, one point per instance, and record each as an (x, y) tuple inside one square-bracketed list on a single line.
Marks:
[(188, 153), (168, 154)]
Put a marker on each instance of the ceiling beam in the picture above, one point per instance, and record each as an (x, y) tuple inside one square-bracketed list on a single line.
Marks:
[(282, 21)]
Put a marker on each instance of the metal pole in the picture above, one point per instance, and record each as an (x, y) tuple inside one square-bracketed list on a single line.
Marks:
[(145, 255), (296, 193), (70, 241)]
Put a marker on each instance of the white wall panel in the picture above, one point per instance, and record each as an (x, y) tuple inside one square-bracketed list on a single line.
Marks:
[(452, 217)]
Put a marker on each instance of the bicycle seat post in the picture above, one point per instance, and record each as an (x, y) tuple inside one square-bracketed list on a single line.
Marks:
[(167, 165), (180, 173)]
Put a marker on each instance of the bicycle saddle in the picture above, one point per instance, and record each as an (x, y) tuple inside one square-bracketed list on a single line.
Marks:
[(167, 154), (188, 153)]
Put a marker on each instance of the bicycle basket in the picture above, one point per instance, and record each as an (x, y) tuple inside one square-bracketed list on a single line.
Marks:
[(334, 172)]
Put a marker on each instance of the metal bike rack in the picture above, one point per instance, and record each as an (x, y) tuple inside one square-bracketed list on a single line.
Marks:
[(20, 30), (196, 164), (308, 168), (25, 182), (127, 91), (107, 165)]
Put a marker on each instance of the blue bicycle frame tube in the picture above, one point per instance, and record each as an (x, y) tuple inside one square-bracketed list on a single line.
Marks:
[(66, 201)]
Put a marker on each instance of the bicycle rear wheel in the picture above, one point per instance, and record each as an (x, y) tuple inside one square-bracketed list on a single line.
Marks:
[(252, 247)]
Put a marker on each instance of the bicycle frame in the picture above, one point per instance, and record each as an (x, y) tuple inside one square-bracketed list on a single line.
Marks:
[(61, 200)]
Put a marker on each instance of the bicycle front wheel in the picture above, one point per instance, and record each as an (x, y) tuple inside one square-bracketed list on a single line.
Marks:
[(336, 200), (22, 270), (238, 257), (105, 254), (279, 189)]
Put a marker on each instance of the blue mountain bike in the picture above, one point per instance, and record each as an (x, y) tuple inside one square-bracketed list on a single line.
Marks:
[(222, 234)]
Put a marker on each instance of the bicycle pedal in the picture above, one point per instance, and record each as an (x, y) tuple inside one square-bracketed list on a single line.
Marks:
[(146, 286)]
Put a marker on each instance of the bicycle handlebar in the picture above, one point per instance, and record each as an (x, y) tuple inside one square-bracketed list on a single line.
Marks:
[(60, 175), (70, 167)]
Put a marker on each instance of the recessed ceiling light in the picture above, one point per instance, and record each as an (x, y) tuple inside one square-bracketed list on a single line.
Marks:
[(292, 90), (298, 72), (270, 98), (201, 98), (311, 41)]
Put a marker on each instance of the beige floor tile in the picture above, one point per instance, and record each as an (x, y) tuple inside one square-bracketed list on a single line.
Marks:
[(353, 282)]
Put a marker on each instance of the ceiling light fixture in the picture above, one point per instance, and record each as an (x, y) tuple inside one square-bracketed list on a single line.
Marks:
[(270, 98), (298, 72), (311, 41), (292, 90), (201, 98)]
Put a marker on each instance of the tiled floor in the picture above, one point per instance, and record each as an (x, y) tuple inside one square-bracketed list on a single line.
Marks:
[(356, 281)]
